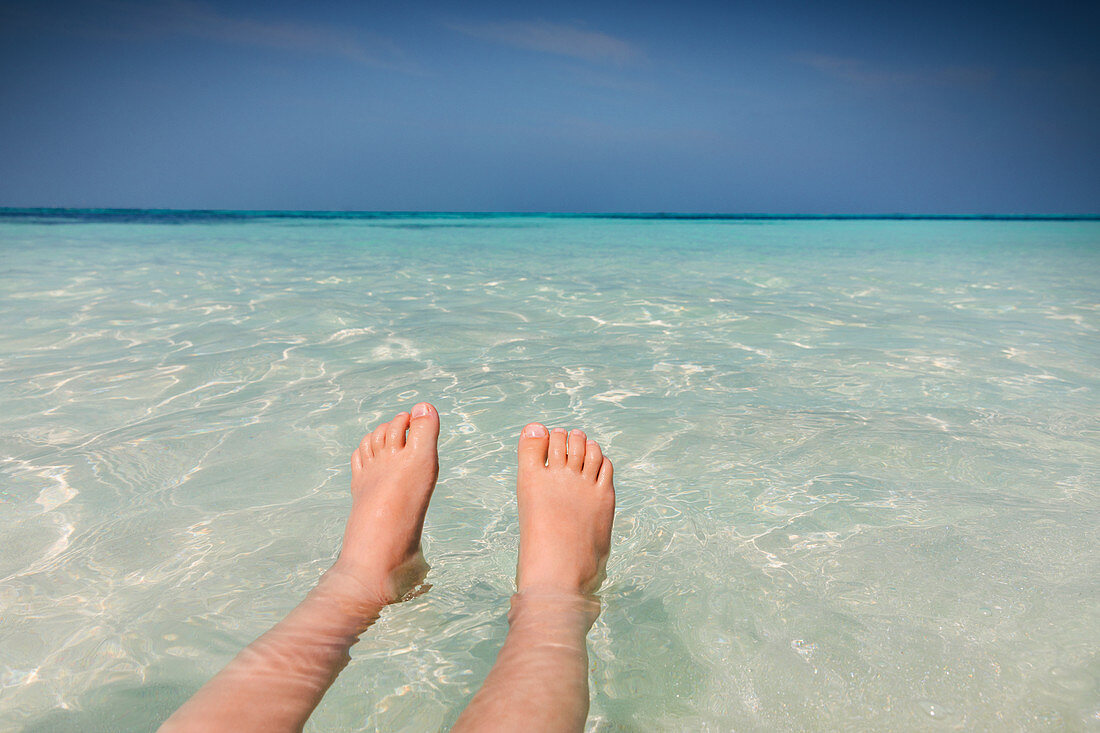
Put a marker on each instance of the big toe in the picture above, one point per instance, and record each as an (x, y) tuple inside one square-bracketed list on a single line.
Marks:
[(423, 426), (534, 444)]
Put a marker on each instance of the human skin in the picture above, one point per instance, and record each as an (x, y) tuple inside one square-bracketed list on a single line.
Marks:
[(540, 679), (566, 507), (277, 681)]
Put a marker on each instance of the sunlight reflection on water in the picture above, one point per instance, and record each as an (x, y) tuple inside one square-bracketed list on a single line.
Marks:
[(857, 462)]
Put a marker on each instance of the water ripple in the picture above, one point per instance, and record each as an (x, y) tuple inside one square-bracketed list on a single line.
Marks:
[(858, 467)]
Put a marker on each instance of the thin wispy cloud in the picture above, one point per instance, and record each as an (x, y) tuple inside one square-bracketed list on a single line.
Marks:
[(200, 20), (859, 72), (204, 21), (559, 39)]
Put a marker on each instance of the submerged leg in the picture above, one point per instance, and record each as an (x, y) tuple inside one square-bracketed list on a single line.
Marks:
[(275, 683), (566, 507)]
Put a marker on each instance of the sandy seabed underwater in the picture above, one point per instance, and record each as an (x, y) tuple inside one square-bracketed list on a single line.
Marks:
[(857, 462)]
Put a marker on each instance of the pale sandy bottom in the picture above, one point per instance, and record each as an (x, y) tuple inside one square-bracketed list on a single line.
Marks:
[(858, 462)]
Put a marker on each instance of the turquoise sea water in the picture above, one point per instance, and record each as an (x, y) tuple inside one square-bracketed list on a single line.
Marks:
[(857, 461)]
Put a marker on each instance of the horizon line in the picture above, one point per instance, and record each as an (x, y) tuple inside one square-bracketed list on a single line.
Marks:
[(230, 214)]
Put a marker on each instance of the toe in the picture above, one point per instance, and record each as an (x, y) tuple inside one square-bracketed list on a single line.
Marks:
[(357, 460), (378, 438), (366, 452), (395, 435), (533, 444), (606, 471), (557, 448), (593, 459), (574, 454), (424, 426)]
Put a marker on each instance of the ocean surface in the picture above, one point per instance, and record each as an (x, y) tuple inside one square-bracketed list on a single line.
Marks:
[(857, 461)]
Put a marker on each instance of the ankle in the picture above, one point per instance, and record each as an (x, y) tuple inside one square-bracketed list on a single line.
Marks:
[(375, 580), (346, 594), (553, 608)]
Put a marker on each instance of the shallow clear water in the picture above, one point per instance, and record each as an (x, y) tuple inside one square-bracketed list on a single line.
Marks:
[(857, 462)]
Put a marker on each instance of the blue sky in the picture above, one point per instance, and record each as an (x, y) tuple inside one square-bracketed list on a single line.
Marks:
[(780, 107)]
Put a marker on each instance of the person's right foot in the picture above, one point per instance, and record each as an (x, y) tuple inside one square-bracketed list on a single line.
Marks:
[(393, 473), (566, 508)]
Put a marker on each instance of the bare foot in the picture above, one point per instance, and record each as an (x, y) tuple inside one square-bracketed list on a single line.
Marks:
[(566, 507), (393, 473)]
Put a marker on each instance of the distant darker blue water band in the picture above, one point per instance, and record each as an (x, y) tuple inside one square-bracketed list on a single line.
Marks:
[(187, 216)]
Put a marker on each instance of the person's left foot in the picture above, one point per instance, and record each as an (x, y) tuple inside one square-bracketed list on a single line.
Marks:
[(566, 507), (393, 473)]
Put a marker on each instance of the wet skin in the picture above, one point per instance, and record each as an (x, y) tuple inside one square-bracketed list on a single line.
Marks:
[(540, 679)]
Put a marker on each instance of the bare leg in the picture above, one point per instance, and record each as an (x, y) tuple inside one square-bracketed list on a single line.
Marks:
[(566, 507), (276, 682)]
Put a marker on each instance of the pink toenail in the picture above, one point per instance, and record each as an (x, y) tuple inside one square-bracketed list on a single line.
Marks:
[(420, 409), (534, 430)]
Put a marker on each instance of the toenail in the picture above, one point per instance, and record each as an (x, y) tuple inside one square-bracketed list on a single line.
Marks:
[(558, 430), (534, 430), (420, 409)]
